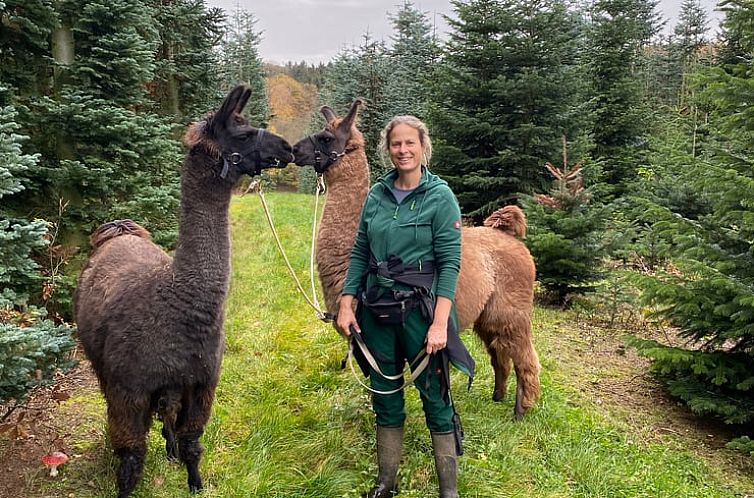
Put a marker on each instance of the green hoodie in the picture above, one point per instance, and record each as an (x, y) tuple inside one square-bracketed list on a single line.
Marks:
[(426, 226)]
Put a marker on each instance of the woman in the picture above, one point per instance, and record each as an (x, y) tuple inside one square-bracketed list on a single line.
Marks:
[(403, 270)]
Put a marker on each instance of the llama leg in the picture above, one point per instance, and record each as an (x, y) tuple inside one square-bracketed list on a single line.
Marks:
[(501, 364), (171, 443), (189, 428), (190, 451), (499, 359), (128, 424), (168, 407), (526, 360)]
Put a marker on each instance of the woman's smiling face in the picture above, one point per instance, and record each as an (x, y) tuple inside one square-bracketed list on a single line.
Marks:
[(405, 148)]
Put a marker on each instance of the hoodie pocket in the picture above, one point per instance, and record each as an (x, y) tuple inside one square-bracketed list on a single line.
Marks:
[(420, 233)]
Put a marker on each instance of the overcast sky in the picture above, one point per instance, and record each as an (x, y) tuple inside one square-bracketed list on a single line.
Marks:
[(316, 30)]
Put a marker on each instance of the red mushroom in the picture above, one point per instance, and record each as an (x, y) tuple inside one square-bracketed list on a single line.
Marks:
[(53, 460)]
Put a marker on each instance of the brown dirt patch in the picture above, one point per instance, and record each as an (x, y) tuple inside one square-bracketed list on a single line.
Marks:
[(613, 376)]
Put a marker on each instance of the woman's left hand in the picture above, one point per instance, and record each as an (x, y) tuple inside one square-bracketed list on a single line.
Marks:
[(437, 337)]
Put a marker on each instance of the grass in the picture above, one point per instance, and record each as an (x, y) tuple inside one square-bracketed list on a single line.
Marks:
[(288, 422)]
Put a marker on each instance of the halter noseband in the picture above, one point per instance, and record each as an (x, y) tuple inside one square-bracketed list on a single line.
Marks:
[(235, 158), (332, 156)]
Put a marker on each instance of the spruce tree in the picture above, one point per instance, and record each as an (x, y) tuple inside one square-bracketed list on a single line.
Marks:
[(31, 347), (619, 30), (240, 63), (708, 291), (506, 92), (565, 232), (413, 55)]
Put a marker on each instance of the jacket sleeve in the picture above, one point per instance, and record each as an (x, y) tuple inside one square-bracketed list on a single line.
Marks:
[(446, 227), (359, 261)]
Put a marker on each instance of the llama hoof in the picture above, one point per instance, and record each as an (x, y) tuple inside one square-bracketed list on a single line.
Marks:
[(196, 488), (171, 450), (498, 396), (518, 416)]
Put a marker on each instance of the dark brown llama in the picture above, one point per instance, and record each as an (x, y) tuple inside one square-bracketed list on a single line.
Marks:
[(495, 289), (152, 325)]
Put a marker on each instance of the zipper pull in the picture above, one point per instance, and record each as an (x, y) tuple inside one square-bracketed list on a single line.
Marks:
[(395, 214)]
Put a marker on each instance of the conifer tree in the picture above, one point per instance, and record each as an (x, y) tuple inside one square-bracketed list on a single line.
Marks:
[(361, 72), (413, 55), (708, 291), (187, 65), (103, 153), (691, 29), (565, 232), (506, 92), (618, 31), (24, 40), (240, 63), (31, 347)]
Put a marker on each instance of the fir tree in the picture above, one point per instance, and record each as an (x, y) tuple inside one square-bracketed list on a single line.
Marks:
[(187, 65), (691, 30), (618, 32), (31, 347), (361, 72), (240, 63), (114, 45), (565, 232), (412, 57), (506, 92), (708, 292), (24, 39)]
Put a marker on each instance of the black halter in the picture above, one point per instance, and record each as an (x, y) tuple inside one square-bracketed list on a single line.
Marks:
[(235, 158), (332, 156)]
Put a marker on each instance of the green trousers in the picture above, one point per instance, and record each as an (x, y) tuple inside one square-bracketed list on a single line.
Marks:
[(392, 347)]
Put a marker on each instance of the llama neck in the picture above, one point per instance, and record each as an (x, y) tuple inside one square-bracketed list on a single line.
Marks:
[(201, 265), (348, 185)]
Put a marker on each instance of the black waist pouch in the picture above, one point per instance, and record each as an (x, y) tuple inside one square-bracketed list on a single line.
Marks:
[(388, 310)]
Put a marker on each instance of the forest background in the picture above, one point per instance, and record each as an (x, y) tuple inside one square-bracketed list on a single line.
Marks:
[(629, 147)]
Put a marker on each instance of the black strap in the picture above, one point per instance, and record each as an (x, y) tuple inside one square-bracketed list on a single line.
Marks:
[(419, 275)]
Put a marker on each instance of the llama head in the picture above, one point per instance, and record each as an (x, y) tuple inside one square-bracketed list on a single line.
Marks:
[(339, 137), (237, 147)]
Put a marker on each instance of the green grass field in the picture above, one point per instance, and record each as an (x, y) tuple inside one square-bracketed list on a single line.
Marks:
[(288, 422)]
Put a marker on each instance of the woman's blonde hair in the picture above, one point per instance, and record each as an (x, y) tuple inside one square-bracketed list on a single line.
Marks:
[(413, 122)]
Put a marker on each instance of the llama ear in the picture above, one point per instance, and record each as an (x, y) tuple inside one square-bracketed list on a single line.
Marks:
[(348, 120), (327, 111), (243, 99), (230, 104)]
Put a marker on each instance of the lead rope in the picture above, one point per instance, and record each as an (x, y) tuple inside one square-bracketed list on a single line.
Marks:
[(319, 189), (314, 302), (422, 359)]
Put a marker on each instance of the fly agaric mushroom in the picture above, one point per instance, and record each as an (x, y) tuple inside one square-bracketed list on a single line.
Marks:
[(53, 460)]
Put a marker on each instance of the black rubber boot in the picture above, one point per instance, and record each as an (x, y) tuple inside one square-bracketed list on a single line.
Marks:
[(446, 462), (389, 444)]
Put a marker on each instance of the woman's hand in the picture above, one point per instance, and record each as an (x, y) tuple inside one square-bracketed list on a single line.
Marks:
[(346, 318), (437, 335)]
